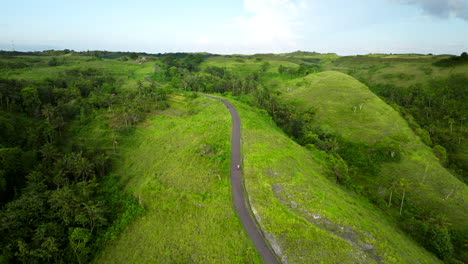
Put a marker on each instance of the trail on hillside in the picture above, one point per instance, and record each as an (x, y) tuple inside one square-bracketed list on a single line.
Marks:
[(237, 189), (156, 69)]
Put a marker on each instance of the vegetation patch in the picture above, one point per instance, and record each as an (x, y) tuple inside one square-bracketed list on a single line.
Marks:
[(178, 167), (288, 185)]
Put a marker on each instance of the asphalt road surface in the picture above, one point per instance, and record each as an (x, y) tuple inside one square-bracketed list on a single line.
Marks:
[(237, 188), (156, 69)]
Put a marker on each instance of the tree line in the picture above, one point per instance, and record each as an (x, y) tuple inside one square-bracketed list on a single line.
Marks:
[(58, 201), (452, 61), (437, 113)]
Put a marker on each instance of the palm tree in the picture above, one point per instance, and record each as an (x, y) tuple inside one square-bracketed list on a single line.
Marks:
[(392, 187), (48, 112), (403, 184), (48, 152)]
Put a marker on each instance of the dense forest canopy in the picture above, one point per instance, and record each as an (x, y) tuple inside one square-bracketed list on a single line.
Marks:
[(59, 204)]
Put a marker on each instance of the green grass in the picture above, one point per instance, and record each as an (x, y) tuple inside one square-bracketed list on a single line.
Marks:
[(400, 70), (288, 186), (128, 73), (253, 64), (335, 95), (178, 165), (347, 107), (248, 64)]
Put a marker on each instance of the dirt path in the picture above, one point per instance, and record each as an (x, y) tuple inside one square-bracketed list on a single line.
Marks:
[(237, 188)]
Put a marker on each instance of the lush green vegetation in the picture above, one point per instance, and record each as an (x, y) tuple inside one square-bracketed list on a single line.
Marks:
[(177, 163), (432, 99), (440, 111), (384, 158), (61, 124), (452, 61), (366, 138), (359, 180), (309, 218)]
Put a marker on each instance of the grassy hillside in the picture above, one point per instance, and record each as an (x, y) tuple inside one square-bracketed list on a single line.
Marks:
[(434, 95), (309, 219), (178, 165), (387, 162), (250, 64), (400, 69), (335, 96), (347, 107), (176, 162), (128, 73)]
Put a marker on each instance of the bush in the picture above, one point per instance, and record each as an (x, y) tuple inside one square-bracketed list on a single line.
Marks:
[(339, 169), (441, 153), (386, 150), (358, 156), (453, 61), (431, 236), (437, 240), (53, 62), (424, 135)]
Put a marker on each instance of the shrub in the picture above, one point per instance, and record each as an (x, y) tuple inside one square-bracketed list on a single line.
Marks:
[(53, 62), (453, 61), (437, 240)]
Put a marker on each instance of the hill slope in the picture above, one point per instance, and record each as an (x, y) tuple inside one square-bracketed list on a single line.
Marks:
[(178, 166), (435, 96), (307, 217), (337, 98)]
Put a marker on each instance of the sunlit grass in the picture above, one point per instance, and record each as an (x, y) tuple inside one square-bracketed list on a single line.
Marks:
[(178, 166), (338, 97), (289, 188)]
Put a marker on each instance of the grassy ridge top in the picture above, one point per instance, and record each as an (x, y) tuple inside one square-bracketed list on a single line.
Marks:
[(335, 96), (401, 70), (178, 166), (348, 107), (309, 218)]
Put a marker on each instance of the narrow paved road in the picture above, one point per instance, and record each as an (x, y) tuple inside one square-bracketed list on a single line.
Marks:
[(156, 69), (237, 187), (238, 196)]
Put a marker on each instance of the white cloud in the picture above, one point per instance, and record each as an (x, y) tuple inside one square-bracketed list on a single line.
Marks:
[(441, 8), (270, 26)]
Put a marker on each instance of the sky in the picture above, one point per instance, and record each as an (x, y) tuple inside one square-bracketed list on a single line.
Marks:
[(345, 27)]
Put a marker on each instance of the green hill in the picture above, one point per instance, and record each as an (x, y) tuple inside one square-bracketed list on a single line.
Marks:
[(432, 89), (174, 163), (400, 69), (177, 165), (348, 108)]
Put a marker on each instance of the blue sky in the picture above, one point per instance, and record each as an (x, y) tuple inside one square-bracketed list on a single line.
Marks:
[(243, 26)]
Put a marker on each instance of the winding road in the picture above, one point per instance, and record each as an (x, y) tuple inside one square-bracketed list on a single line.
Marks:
[(237, 189), (156, 69)]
